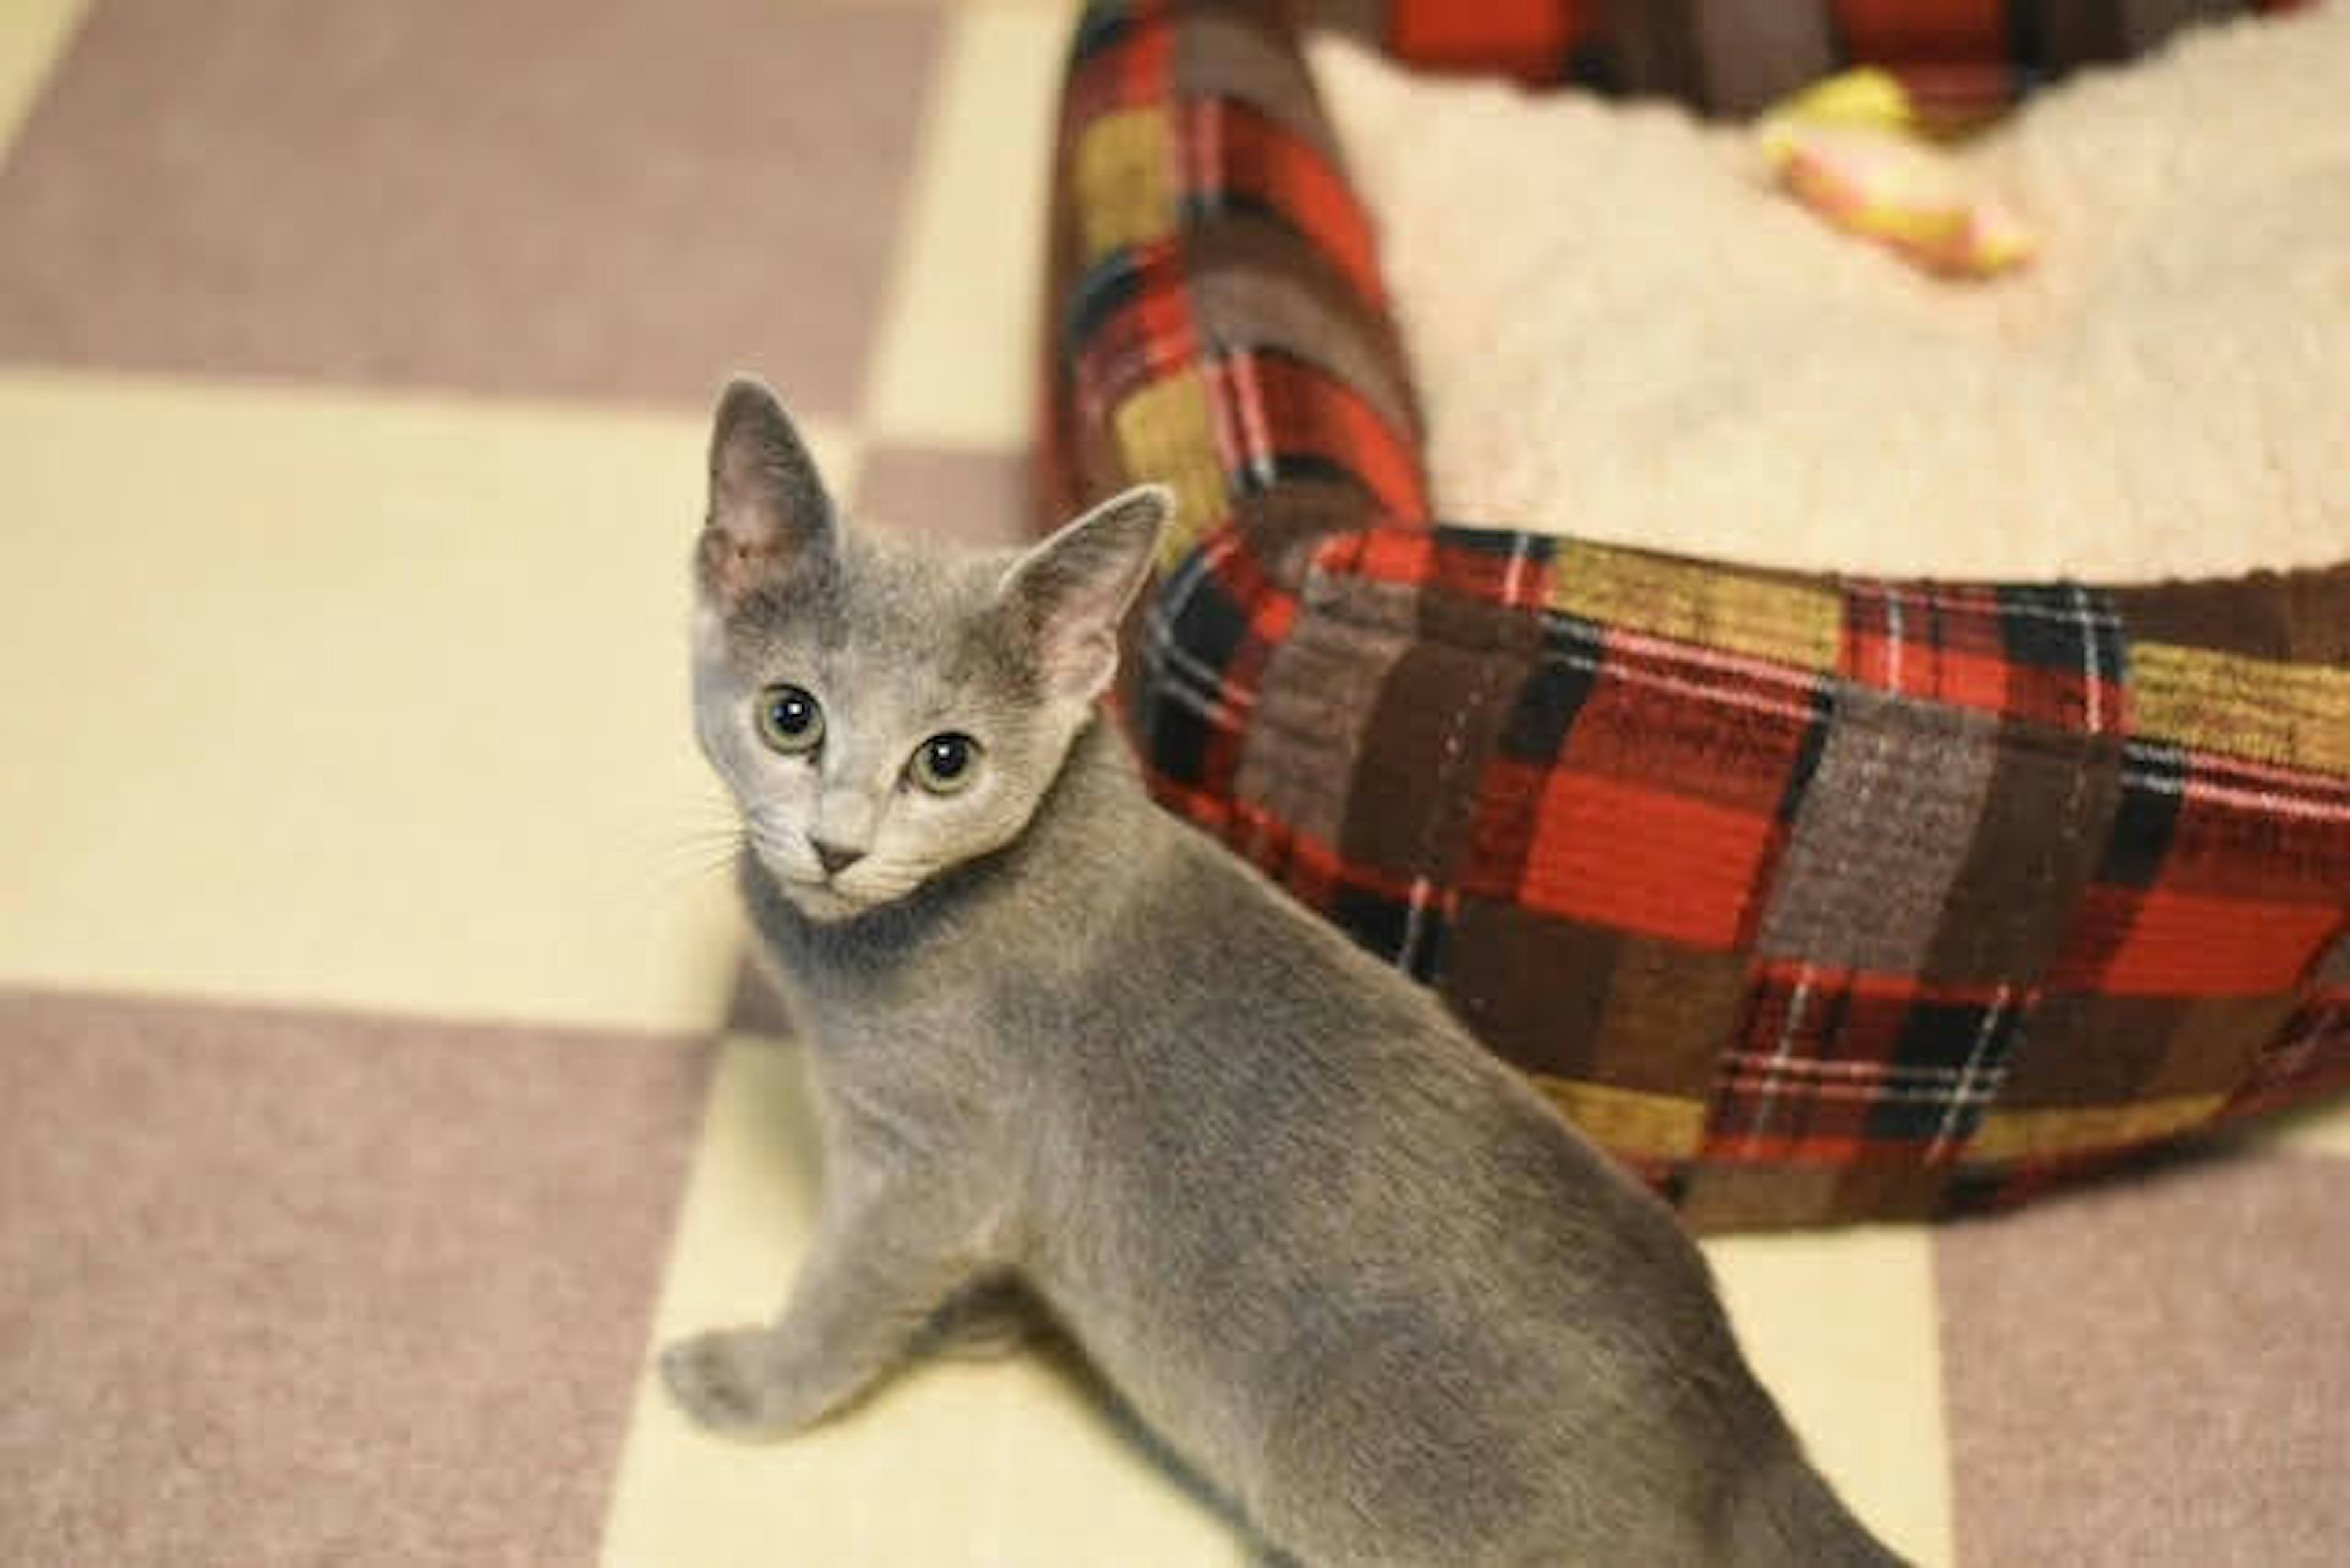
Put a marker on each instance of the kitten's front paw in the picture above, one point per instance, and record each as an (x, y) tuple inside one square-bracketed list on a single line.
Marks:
[(726, 1381)]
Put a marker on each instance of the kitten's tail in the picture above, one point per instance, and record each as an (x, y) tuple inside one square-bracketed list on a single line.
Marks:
[(1788, 1515)]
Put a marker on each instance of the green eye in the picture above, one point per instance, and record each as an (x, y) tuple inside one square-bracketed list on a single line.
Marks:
[(944, 764), (790, 720)]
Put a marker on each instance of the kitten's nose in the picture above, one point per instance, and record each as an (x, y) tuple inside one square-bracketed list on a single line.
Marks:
[(835, 858)]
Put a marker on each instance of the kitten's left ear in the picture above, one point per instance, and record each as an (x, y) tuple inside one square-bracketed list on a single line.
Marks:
[(769, 515), (1072, 590)]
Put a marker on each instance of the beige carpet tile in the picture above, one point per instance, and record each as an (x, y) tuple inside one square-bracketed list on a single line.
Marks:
[(326, 697), (1840, 1324), (602, 200), (953, 1462), (955, 361), (304, 1287), (349, 700), (972, 496), (2154, 1370)]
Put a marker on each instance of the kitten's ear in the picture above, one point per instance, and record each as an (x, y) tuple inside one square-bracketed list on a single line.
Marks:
[(1071, 591), (769, 516)]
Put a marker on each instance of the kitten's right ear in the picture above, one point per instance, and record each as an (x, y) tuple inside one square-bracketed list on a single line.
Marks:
[(769, 516), (1071, 591)]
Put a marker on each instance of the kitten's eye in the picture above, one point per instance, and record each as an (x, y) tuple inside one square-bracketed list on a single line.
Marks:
[(790, 720), (942, 764)]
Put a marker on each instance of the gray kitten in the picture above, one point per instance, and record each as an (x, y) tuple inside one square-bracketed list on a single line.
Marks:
[(1341, 1258)]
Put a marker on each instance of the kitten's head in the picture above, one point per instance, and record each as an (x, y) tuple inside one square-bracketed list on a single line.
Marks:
[(886, 709)]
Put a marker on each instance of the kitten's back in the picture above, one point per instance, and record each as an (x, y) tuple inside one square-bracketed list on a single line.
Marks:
[(1326, 1224)]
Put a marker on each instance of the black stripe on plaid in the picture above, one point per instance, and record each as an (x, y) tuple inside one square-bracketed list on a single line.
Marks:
[(1110, 288), (2064, 627), (2311, 1055), (1193, 628), (1104, 24), (1808, 752), (1829, 1065), (1407, 932), (2145, 819), (1561, 683)]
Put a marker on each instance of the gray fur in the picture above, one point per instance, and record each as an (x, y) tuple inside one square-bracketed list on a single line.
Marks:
[(1339, 1257)]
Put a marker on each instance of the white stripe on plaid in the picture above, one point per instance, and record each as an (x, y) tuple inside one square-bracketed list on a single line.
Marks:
[(2166, 770), (2093, 719), (1968, 1093), (1893, 640), (1822, 1078), (2086, 615), (1240, 430), (1615, 639), (1513, 581), (1767, 1086), (1415, 924)]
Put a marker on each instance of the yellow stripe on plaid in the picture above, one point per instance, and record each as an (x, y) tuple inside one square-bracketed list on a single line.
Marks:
[(1165, 432), (1125, 179), (2082, 1129), (1789, 623), (2294, 715), (1652, 1127)]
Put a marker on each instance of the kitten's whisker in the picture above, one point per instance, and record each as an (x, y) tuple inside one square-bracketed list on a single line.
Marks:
[(701, 829), (672, 865)]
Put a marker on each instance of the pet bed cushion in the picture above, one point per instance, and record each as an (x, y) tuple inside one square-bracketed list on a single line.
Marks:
[(1646, 343), (1811, 897)]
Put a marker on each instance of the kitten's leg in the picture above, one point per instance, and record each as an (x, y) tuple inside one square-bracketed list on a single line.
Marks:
[(990, 1318), (877, 1270)]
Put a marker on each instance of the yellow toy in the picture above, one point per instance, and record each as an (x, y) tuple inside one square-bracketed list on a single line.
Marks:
[(1849, 148)]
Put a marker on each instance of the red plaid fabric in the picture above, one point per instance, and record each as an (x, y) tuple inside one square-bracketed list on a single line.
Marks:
[(2220, 878), (2310, 1055), (1641, 784), (1963, 60), (1812, 898), (1234, 155), (1829, 1065), (2050, 655)]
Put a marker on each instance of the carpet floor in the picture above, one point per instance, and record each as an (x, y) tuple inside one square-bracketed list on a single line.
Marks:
[(377, 1086)]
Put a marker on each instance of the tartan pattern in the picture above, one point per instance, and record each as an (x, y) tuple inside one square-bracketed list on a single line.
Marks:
[(1828, 1065), (2051, 655), (1963, 60), (1811, 898), (1644, 785), (2221, 878), (2310, 1055)]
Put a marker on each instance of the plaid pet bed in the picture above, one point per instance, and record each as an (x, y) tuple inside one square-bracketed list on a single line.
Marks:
[(1961, 59), (1812, 899)]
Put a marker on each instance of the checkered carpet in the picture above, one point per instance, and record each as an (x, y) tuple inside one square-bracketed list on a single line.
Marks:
[(374, 1088)]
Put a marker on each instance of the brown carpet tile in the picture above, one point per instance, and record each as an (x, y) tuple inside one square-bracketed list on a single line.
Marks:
[(2154, 1370), (534, 197), (296, 1287), (285, 1285), (976, 497)]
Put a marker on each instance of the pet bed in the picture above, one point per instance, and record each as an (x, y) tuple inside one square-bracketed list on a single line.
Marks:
[(1811, 897)]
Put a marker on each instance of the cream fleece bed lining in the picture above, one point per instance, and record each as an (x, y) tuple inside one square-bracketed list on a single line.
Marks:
[(1620, 331)]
